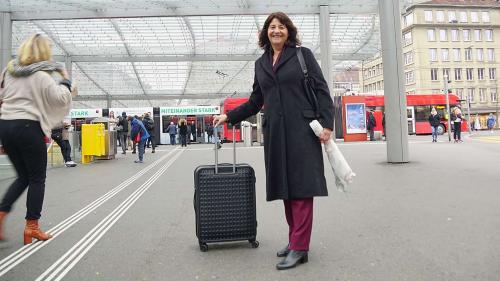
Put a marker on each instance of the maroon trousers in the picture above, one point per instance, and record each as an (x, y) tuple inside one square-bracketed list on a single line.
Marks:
[(299, 216)]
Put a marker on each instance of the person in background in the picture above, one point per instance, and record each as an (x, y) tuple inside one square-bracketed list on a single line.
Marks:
[(370, 126), (183, 132), (60, 135), (457, 125), (383, 126), (124, 132), (490, 122), (172, 131), (293, 155), (36, 96), (193, 132), (210, 133), (149, 124), (477, 123), (139, 133), (435, 122)]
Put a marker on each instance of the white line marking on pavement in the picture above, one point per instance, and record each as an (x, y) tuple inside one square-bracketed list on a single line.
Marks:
[(24, 252), (73, 255)]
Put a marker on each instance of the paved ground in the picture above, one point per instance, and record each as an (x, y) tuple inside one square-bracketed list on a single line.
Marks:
[(435, 218)]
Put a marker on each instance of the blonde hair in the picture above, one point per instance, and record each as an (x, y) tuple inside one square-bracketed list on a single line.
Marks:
[(35, 49), (434, 111), (182, 121)]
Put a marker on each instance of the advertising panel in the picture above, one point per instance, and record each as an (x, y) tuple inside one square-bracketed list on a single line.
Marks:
[(355, 118)]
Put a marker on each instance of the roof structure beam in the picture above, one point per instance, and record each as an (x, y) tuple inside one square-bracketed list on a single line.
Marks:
[(152, 97), (193, 37), (182, 58), (259, 9), (120, 33)]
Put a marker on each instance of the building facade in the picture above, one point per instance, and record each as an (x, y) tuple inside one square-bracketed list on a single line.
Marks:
[(453, 41)]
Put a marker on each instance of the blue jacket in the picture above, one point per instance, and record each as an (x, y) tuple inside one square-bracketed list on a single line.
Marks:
[(138, 127), (491, 122)]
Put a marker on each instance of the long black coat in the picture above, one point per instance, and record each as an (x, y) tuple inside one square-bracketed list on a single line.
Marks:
[(293, 155)]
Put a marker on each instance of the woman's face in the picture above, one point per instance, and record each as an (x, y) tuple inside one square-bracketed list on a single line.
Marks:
[(277, 33)]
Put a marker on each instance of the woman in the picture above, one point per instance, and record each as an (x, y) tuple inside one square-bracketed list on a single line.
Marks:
[(183, 132), (477, 123), (457, 123), (293, 155), (435, 122), (33, 103), (490, 122)]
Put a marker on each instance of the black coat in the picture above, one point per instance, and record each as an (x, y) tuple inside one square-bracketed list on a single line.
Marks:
[(293, 153), (435, 120)]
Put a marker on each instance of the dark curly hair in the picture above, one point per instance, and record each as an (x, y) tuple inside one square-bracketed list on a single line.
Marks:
[(292, 40)]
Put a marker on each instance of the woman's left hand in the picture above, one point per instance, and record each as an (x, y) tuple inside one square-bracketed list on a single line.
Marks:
[(325, 135)]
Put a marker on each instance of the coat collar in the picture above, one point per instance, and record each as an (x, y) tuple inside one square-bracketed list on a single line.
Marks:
[(287, 54)]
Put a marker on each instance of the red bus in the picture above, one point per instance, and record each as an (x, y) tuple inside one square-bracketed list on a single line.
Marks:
[(230, 104), (418, 110)]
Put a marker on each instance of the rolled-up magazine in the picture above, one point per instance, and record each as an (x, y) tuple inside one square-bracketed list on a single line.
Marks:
[(341, 169)]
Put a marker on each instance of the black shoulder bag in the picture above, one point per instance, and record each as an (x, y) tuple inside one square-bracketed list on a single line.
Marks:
[(310, 91)]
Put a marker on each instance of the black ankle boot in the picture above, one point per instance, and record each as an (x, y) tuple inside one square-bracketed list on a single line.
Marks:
[(283, 252), (292, 259)]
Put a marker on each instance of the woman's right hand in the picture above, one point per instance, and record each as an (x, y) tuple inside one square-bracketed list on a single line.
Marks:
[(219, 119), (64, 74)]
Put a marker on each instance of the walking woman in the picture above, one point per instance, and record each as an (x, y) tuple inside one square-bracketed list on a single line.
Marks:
[(36, 97), (293, 155), (435, 122), (183, 132), (457, 125)]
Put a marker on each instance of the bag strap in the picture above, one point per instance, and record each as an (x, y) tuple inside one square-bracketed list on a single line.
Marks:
[(311, 95)]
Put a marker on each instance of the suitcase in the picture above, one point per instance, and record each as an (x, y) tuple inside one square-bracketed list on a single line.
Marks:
[(224, 202)]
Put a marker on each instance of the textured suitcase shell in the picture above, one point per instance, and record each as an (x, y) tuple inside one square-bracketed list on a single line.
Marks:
[(225, 204)]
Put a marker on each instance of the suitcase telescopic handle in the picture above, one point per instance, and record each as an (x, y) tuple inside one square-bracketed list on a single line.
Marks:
[(217, 152)]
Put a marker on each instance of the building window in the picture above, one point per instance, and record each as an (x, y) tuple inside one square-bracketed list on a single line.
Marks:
[(456, 55), (452, 16), (490, 54), (469, 73), (493, 94), (488, 33), (454, 35), (482, 95), (431, 35), (480, 55), (408, 57), (466, 33), (440, 16), (408, 20), (485, 16), (434, 74), (407, 38), (443, 35), (428, 16), (445, 54), (480, 73), (470, 94), (463, 16), (458, 74), (446, 74), (477, 35), (468, 54), (460, 93), (433, 54), (474, 17), (410, 77), (492, 73)]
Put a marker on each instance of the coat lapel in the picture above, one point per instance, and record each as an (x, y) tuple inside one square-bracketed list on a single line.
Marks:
[(288, 53), (266, 64)]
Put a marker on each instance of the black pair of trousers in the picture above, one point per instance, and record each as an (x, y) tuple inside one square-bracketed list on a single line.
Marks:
[(65, 149), (23, 141), (457, 131)]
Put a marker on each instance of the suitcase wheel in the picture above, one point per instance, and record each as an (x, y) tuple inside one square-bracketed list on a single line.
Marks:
[(255, 243), (204, 247)]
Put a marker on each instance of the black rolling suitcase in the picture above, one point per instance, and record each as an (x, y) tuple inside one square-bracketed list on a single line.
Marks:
[(224, 202)]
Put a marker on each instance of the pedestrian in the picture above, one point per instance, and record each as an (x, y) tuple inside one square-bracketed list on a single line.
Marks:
[(210, 133), (477, 123), (149, 124), (292, 152), (457, 125), (183, 131), (172, 131), (370, 126), (36, 96), (435, 122), (123, 133), (490, 122), (139, 133), (60, 135)]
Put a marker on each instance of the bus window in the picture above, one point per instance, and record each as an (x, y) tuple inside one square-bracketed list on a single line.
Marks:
[(422, 112)]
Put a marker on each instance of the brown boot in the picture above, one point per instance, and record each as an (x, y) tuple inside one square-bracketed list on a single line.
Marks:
[(33, 231), (2, 220)]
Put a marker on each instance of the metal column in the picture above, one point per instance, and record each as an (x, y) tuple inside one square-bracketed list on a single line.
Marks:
[(5, 39), (69, 66), (394, 89), (326, 49)]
